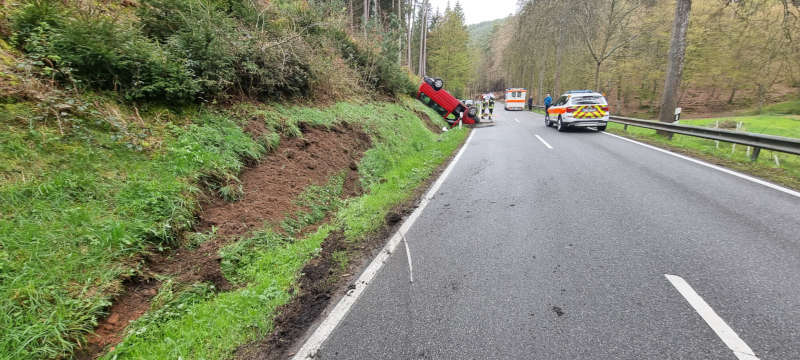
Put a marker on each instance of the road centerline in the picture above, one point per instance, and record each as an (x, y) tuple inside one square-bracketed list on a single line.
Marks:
[(543, 142), (714, 321)]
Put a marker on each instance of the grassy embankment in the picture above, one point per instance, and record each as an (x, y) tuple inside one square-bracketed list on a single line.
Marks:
[(781, 119), (79, 208), (406, 153), (113, 130)]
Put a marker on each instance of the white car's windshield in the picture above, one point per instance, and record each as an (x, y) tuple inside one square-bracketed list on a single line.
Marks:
[(589, 100)]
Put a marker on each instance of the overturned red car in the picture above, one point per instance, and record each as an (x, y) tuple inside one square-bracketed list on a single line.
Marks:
[(450, 108)]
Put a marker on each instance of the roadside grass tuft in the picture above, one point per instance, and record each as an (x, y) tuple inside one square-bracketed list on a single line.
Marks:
[(783, 108)]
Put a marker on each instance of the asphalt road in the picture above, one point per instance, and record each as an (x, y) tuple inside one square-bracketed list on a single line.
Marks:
[(528, 252)]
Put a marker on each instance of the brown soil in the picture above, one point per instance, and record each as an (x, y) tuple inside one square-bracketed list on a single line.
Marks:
[(323, 281), (270, 188), (134, 302), (428, 122)]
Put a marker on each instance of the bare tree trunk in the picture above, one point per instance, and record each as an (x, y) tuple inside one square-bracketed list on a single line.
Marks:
[(366, 17), (422, 29), (409, 34), (541, 84), (350, 11), (761, 92), (399, 36), (733, 94), (677, 53), (425, 46), (377, 11), (597, 76), (557, 70)]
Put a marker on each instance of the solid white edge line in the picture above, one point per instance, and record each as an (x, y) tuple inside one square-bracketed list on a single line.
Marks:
[(715, 167), (716, 323), (408, 255), (543, 142), (315, 341)]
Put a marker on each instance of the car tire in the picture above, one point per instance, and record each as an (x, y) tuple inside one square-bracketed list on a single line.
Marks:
[(601, 128), (560, 126), (547, 123), (438, 84)]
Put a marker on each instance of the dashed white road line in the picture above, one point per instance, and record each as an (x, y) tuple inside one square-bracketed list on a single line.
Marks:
[(543, 142), (517, 120), (715, 167), (716, 323), (315, 341)]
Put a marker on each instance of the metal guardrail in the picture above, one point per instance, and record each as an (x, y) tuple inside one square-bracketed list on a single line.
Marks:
[(756, 141)]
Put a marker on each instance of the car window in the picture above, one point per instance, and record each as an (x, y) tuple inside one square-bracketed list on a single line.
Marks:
[(425, 99), (562, 100), (589, 100), (436, 107)]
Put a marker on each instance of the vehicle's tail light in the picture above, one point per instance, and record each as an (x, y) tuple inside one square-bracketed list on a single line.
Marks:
[(605, 108), (571, 109)]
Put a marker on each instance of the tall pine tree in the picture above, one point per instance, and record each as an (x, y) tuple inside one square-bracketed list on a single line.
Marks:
[(448, 57)]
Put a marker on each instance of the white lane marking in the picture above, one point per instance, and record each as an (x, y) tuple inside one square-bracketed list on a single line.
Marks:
[(543, 142), (408, 254), (517, 120), (715, 167), (716, 323), (314, 342)]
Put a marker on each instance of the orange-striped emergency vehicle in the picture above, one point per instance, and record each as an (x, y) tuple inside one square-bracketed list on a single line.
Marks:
[(515, 99), (579, 108)]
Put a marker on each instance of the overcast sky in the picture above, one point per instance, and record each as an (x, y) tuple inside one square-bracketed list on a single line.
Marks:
[(481, 10)]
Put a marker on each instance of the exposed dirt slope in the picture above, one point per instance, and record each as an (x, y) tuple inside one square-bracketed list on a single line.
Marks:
[(323, 282), (269, 190)]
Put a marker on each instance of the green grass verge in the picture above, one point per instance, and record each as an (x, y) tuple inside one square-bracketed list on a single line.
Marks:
[(788, 173), (791, 107), (405, 153), (77, 208)]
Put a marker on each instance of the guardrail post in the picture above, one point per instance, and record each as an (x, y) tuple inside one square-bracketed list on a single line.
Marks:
[(626, 128), (754, 154)]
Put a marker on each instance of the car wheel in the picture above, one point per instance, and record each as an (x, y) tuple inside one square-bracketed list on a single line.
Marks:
[(560, 125), (438, 84), (601, 128)]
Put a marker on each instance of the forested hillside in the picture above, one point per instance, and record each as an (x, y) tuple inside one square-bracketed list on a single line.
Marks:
[(171, 169), (740, 53)]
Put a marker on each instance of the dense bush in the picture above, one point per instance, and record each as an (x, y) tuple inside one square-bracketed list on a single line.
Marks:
[(102, 53), (227, 53), (34, 14), (182, 51), (379, 71)]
